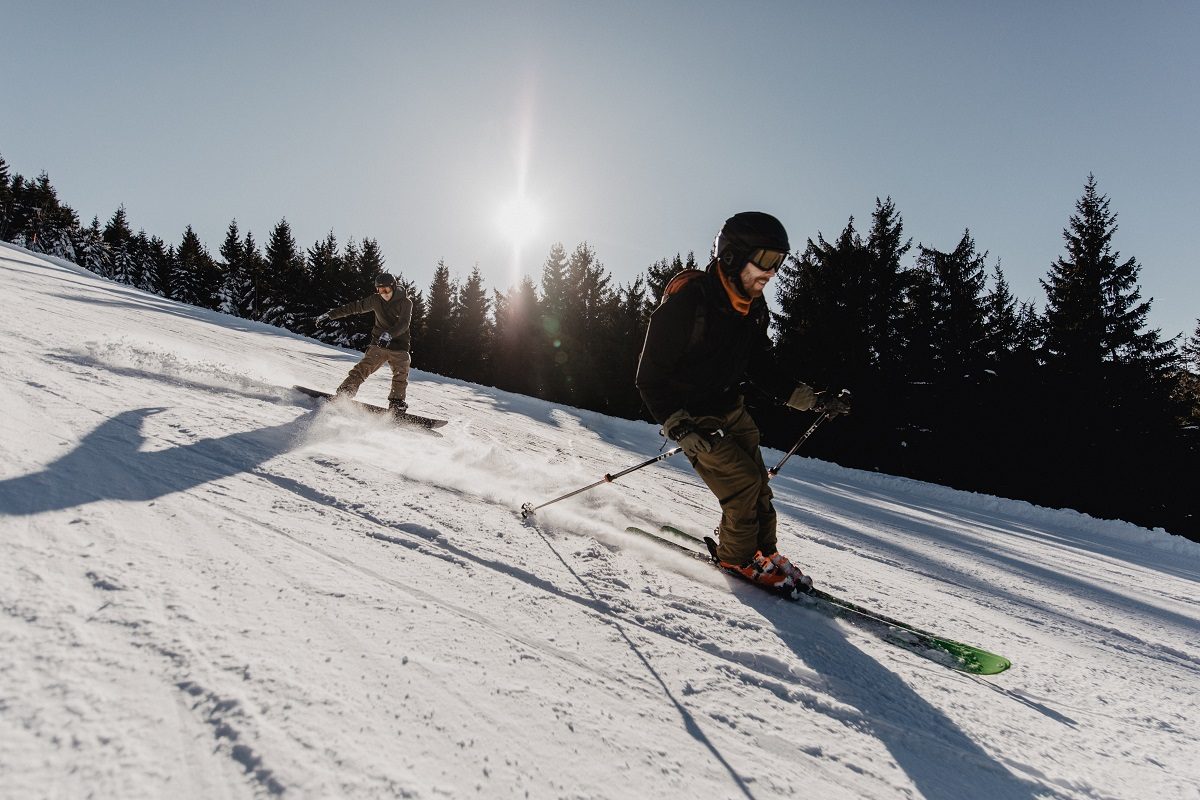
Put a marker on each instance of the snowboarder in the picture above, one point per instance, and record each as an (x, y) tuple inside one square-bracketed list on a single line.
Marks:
[(389, 339), (708, 335)]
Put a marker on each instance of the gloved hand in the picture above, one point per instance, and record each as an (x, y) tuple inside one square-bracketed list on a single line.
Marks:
[(802, 398), (384, 338), (832, 404), (322, 320), (682, 428)]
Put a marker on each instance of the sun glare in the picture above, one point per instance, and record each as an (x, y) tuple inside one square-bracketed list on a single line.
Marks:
[(519, 220)]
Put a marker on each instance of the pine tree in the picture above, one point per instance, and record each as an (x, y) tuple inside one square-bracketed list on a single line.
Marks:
[(48, 223), (19, 214), (139, 258), (160, 273), (822, 310), (349, 284), (1112, 378), (284, 278), (416, 327), (191, 281), (553, 309), (6, 200), (371, 264), (1031, 329), (626, 332), (250, 304), (1191, 350), (90, 250), (516, 367), (471, 333), (886, 246), (324, 277), (958, 280), (1002, 326), (237, 284), (435, 341), (587, 315), (117, 235), (1095, 317), (1187, 393), (555, 290)]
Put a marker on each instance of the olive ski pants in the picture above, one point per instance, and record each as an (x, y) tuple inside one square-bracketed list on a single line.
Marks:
[(373, 359), (736, 474)]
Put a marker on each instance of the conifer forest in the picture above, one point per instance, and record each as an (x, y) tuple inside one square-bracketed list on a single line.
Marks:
[(1066, 400)]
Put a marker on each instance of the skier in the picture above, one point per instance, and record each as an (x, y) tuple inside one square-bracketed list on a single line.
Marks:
[(389, 339), (709, 334)]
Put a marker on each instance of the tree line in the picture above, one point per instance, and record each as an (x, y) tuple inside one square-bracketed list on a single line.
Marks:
[(955, 380)]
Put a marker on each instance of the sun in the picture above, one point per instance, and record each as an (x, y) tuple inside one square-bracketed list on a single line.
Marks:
[(519, 219)]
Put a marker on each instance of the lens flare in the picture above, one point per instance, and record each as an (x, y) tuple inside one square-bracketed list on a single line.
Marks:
[(519, 220)]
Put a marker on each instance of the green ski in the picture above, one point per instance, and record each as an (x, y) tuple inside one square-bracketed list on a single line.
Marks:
[(956, 655)]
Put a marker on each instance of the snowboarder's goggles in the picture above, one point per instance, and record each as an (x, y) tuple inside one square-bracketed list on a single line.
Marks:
[(767, 260)]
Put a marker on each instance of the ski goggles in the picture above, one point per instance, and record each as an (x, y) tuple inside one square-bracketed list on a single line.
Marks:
[(767, 260)]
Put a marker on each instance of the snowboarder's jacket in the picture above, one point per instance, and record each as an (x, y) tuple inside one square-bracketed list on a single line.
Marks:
[(704, 340), (391, 317)]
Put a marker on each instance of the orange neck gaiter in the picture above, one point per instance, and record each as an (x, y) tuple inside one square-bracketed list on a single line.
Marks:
[(740, 303)]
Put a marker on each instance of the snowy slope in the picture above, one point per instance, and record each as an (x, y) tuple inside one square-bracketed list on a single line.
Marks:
[(213, 589)]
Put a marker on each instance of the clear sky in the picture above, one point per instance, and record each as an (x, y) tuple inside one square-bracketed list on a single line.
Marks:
[(637, 127)]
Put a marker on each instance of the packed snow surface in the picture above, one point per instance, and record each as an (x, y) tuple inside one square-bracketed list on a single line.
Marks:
[(213, 587)]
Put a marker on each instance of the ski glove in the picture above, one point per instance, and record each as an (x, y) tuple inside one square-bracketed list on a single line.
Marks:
[(322, 320), (802, 398), (384, 338), (682, 428), (832, 404)]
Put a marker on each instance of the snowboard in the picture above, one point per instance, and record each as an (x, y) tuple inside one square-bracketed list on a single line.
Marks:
[(404, 417)]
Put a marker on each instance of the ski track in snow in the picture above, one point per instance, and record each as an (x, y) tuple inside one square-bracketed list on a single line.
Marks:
[(211, 586)]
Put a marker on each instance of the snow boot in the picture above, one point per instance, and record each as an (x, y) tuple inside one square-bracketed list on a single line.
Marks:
[(398, 406)]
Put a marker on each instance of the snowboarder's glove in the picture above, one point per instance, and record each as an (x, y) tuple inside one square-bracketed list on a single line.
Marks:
[(802, 398), (322, 320), (384, 338), (682, 428), (832, 404)]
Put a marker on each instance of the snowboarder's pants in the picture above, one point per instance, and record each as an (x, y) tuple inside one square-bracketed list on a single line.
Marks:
[(373, 359), (736, 474)]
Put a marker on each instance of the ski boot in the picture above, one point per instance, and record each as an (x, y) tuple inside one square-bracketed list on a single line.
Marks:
[(801, 581), (762, 571)]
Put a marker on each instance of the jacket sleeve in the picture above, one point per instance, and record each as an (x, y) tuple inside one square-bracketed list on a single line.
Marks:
[(364, 306), (666, 343)]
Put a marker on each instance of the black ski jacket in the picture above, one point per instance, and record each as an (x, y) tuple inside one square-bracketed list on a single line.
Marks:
[(702, 374), (392, 317)]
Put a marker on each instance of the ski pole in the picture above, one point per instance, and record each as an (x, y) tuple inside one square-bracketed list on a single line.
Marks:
[(528, 508), (773, 471)]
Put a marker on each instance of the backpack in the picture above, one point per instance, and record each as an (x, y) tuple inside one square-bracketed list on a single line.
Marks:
[(677, 282), (682, 279)]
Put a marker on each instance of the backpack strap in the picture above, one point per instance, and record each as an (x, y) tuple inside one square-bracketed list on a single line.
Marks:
[(676, 284)]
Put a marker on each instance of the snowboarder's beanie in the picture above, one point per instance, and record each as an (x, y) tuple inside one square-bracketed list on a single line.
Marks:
[(745, 232), (385, 279)]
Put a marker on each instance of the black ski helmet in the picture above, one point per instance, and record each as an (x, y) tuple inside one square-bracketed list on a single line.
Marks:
[(745, 232), (385, 279)]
